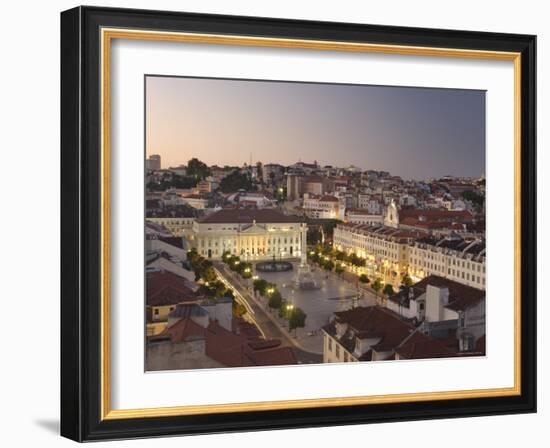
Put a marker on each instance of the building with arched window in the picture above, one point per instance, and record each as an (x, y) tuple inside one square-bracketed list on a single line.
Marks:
[(252, 234)]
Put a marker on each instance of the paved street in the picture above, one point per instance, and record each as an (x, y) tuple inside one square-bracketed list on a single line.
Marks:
[(263, 319)]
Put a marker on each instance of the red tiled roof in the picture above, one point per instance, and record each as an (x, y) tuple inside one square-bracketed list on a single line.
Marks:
[(396, 335), (461, 296), (167, 288), (182, 330), (261, 344), (245, 328), (328, 198), (421, 346), (274, 357), (169, 296), (359, 211), (376, 322), (434, 214), (236, 350), (230, 348), (247, 216)]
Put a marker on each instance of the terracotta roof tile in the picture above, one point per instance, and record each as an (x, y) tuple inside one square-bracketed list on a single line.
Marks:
[(421, 346), (248, 216), (166, 288), (461, 296)]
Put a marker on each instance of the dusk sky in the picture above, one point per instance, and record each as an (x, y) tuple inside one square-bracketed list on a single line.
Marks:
[(415, 133)]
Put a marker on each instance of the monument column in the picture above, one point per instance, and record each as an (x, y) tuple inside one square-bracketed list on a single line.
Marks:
[(303, 240)]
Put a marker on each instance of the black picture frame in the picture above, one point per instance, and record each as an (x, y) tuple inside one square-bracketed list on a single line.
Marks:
[(81, 224)]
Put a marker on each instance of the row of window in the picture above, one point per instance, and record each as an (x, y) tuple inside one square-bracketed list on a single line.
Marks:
[(253, 251), (336, 346), (156, 311), (248, 241)]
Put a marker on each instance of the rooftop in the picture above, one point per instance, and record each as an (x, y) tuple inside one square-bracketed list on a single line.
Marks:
[(165, 288), (421, 346), (373, 322), (248, 216), (394, 334), (461, 296)]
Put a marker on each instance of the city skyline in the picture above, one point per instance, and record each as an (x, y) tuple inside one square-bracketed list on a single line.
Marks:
[(228, 122)]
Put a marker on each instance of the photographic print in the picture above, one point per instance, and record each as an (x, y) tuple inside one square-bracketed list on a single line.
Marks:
[(291, 223), (285, 204)]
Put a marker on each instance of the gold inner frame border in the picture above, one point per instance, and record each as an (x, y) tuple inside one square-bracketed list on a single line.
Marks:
[(107, 35)]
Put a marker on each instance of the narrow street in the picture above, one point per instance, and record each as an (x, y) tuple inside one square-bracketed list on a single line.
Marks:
[(261, 317)]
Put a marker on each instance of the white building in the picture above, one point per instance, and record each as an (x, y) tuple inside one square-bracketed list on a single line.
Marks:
[(390, 252), (367, 202), (443, 305), (385, 249), (376, 334), (257, 200), (253, 234), (177, 225), (451, 257), (363, 216), (323, 207), (196, 201)]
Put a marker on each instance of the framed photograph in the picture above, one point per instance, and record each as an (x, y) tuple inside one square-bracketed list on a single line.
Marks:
[(273, 223)]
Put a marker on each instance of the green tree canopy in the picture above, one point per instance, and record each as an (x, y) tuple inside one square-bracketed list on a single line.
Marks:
[(275, 300), (388, 290), (197, 169), (364, 279), (235, 182), (297, 319), (260, 285), (474, 197), (328, 265), (209, 275), (406, 280)]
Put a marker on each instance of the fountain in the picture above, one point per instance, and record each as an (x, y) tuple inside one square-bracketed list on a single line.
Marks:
[(274, 266), (304, 278)]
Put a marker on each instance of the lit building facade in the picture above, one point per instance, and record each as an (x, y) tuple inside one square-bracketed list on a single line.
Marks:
[(452, 257), (252, 234), (363, 216), (385, 249), (323, 207), (178, 226), (391, 252)]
